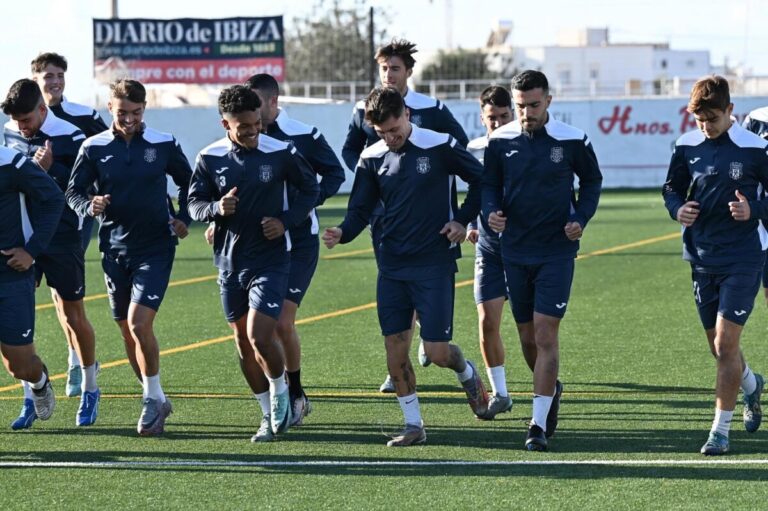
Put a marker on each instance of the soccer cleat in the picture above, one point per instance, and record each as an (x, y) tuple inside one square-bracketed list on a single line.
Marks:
[(26, 417), (554, 408), (153, 415), (536, 440), (716, 445), (753, 413), (280, 412), (412, 434), (74, 381), (301, 407), (264, 434), (497, 404), (89, 408), (476, 394), (44, 400), (388, 387), (423, 358)]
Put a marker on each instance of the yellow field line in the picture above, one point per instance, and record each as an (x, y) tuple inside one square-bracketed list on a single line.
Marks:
[(348, 254), (320, 317)]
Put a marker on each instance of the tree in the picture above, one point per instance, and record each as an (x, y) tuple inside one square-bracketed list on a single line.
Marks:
[(332, 44), (458, 65)]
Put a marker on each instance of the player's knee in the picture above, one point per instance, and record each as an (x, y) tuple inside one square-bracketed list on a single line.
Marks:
[(284, 328), (140, 328)]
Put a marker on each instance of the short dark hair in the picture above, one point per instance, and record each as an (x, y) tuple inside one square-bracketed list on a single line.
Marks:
[(495, 95), (383, 103), (709, 93), (23, 97), (529, 80), (398, 48), (132, 90), (236, 99), (264, 83), (44, 59)]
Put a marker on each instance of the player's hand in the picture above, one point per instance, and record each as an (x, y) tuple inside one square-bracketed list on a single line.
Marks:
[(99, 203), (688, 213), (740, 209), (228, 203), (179, 227), (332, 236), (44, 156), (573, 231), (20, 259), (497, 221), (473, 235), (273, 227), (454, 231), (209, 233)]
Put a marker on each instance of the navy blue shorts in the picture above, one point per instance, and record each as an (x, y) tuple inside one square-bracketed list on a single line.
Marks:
[(544, 288), (432, 299), (17, 312), (63, 272), (489, 276), (731, 295), (139, 279), (261, 289), (303, 266)]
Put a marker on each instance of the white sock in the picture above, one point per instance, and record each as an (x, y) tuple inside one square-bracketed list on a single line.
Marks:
[(39, 384), (498, 377), (466, 374), (277, 385), (27, 389), (73, 359), (263, 399), (410, 406), (722, 422), (152, 388), (541, 406), (748, 381), (89, 379)]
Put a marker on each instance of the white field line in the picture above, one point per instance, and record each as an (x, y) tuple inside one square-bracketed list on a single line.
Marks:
[(393, 463)]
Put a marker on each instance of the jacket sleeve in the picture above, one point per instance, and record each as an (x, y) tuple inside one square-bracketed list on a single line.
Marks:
[(492, 181), (356, 140), (590, 183), (43, 191), (301, 176), (678, 182), (363, 199), (324, 161), (469, 169), (179, 170), (203, 195), (452, 126), (84, 173)]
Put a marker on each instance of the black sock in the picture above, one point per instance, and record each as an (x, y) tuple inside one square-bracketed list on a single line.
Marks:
[(295, 389)]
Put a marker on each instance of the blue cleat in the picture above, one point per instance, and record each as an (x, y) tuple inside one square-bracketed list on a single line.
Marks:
[(74, 381), (753, 413), (89, 408), (26, 417), (280, 412), (716, 445)]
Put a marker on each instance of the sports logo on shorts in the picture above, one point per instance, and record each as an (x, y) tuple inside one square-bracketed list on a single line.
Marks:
[(416, 119), (150, 154), (736, 170), (556, 155), (422, 165), (265, 173)]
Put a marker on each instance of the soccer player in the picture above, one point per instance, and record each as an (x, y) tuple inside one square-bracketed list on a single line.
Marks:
[(241, 183), (757, 123), (713, 188), (53, 144), (23, 237), (138, 235), (528, 197), (490, 291), (48, 70), (411, 170), (395, 62)]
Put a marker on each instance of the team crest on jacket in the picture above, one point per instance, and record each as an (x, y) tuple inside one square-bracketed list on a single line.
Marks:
[(422, 165), (265, 173), (150, 154), (736, 171), (556, 155)]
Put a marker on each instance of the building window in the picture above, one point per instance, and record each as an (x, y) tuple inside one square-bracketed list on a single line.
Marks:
[(663, 63)]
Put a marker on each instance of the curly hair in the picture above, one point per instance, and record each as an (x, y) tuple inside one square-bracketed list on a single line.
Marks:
[(238, 98)]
